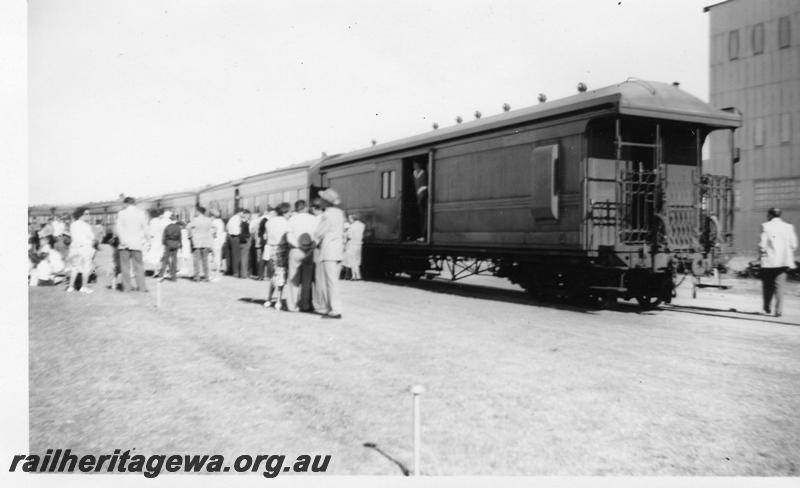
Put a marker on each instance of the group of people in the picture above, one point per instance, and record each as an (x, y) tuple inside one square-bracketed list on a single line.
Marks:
[(299, 250), (62, 249)]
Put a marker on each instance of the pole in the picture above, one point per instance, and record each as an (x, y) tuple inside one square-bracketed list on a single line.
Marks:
[(158, 293), (417, 391)]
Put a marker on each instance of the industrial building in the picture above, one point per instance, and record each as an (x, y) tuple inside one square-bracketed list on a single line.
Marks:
[(755, 68)]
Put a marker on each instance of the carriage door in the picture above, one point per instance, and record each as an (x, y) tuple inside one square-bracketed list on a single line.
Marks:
[(416, 205)]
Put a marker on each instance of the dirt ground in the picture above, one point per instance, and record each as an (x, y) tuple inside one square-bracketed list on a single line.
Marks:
[(705, 386)]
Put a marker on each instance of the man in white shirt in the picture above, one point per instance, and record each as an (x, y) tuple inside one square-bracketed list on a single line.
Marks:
[(299, 236), (81, 250), (234, 228), (355, 239), (329, 234), (132, 231), (777, 246)]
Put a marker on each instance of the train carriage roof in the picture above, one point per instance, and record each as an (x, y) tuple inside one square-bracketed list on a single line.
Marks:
[(265, 175), (632, 97)]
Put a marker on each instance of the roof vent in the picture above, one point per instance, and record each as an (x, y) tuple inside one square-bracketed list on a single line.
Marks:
[(435, 125), (581, 87), (477, 114), (506, 107), (676, 83), (459, 120), (542, 98)]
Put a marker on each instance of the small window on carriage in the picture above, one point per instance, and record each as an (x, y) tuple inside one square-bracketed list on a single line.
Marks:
[(544, 160), (388, 185)]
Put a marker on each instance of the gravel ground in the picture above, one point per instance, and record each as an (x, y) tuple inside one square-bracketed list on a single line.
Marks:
[(514, 386)]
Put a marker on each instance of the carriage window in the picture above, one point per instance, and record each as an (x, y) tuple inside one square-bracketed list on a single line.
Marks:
[(388, 184), (545, 176)]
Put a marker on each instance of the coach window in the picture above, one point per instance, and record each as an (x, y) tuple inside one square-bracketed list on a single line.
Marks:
[(758, 39), (784, 32), (388, 184)]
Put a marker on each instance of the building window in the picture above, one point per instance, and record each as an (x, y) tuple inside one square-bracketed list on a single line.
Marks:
[(733, 45), (784, 32), (786, 127), (758, 135), (388, 186), (758, 38), (780, 193)]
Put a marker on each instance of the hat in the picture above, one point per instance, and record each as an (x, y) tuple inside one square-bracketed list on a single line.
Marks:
[(330, 195)]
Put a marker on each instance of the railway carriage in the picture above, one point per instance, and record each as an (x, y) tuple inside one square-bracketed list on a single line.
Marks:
[(600, 194), (257, 192), (220, 197), (181, 203)]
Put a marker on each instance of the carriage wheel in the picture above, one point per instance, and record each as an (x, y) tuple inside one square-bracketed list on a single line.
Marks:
[(648, 303)]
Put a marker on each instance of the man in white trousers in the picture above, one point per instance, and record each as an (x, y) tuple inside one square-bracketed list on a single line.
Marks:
[(330, 236)]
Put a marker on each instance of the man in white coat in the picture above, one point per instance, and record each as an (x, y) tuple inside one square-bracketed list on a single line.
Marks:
[(132, 231), (777, 247), (330, 236)]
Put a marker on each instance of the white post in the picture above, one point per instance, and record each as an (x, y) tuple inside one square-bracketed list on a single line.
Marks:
[(417, 391)]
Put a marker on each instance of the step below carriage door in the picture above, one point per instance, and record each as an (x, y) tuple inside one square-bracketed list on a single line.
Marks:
[(544, 198)]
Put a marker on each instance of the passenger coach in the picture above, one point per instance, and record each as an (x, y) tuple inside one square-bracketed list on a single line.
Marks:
[(600, 194)]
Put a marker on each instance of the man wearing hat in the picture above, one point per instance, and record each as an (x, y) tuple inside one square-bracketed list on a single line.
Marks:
[(777, 247), (329, 235)]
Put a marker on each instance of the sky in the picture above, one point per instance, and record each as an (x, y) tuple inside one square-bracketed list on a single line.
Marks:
[(149, 97)]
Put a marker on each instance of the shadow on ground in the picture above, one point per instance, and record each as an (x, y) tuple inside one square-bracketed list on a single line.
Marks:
[(519, 297)]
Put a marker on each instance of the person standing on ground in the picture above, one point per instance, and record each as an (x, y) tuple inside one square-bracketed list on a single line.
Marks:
[(777, 246), (317, 294), (299, 237), (81, 250), (355, 239), (275, 255), (132, 231), (245, 243), (234, 228), (219, 242), (261, 239), (201, 233), (171, 240), (329, 234)]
